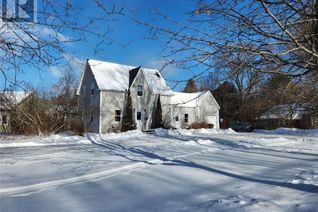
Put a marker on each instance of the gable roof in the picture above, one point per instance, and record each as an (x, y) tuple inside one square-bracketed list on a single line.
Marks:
[(110, 76), (186, 99), (156, 82), (190, 100), (118, 77), (132, 75)]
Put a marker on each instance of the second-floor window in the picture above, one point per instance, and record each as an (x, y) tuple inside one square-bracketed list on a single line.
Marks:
[(139, 90), (117, 115)]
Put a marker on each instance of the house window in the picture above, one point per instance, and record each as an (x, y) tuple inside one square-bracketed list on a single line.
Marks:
[(117, 115), (92, 88), (138, 115), (139, 90), (177, 118), (186, 118), (157, 74)]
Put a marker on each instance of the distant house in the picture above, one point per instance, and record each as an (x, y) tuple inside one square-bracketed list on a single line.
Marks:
[(103, 91), (288, 115), (8, 101)]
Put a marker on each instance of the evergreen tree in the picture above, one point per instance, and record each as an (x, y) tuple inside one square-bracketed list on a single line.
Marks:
[(157, 121), (128, 122), (190, 87), (229, 100)]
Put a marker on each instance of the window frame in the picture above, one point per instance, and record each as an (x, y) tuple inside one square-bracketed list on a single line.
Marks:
[(138, 115), (186, 117), (117, 115), (140, 91)]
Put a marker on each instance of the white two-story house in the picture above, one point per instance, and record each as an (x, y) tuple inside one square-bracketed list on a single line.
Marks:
[(103, 91)]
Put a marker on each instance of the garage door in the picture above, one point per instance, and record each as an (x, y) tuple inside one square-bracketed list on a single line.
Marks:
[(211, 120)]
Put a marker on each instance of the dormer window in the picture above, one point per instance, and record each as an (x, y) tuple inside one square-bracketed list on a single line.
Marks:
[(157, 74), (139, 90)]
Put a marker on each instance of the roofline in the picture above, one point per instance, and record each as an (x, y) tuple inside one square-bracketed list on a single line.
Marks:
[(141, 69), (113, 90), (200, 94), (207, 91), (78, 90), (178, 106)]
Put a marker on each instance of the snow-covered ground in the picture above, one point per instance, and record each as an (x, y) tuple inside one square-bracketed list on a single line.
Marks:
[(184, 170)]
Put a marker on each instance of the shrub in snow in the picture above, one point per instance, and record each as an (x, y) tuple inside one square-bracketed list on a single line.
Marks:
[(200, 125), (128, 122), (157, 121)]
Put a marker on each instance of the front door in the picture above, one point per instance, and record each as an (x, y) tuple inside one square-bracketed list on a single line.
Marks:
[(177, 122), (139, 118)]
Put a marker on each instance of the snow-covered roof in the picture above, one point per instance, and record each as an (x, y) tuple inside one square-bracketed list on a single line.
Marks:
[(287, 111), (156, 82), (186, 99), (110, 76), (113, 76), (13, 98)]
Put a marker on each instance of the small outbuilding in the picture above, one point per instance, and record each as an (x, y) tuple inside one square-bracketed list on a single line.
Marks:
[(192, 108)]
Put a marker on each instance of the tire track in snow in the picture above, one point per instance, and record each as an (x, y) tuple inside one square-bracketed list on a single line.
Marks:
[(92, 177)]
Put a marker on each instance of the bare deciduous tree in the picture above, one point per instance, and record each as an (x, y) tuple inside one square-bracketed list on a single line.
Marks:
[(45, 41), (280, 35)]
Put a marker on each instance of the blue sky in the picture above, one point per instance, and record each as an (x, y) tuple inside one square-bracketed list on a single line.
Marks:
[(139, 51)]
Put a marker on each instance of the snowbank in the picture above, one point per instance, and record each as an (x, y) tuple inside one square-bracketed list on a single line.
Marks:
[(123, 135), (58, 139), (290, 131), (66, 138), (177, 132)]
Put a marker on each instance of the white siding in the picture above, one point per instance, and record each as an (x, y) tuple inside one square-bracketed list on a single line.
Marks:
[(147, 103), (89, 103), (206, 108), (111, 101)]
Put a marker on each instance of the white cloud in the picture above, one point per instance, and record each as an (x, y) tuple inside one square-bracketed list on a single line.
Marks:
[(56, 71), (70, 63), (50, 34)]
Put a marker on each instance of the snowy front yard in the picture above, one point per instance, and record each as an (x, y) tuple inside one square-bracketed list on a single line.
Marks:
[(198, 170)]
